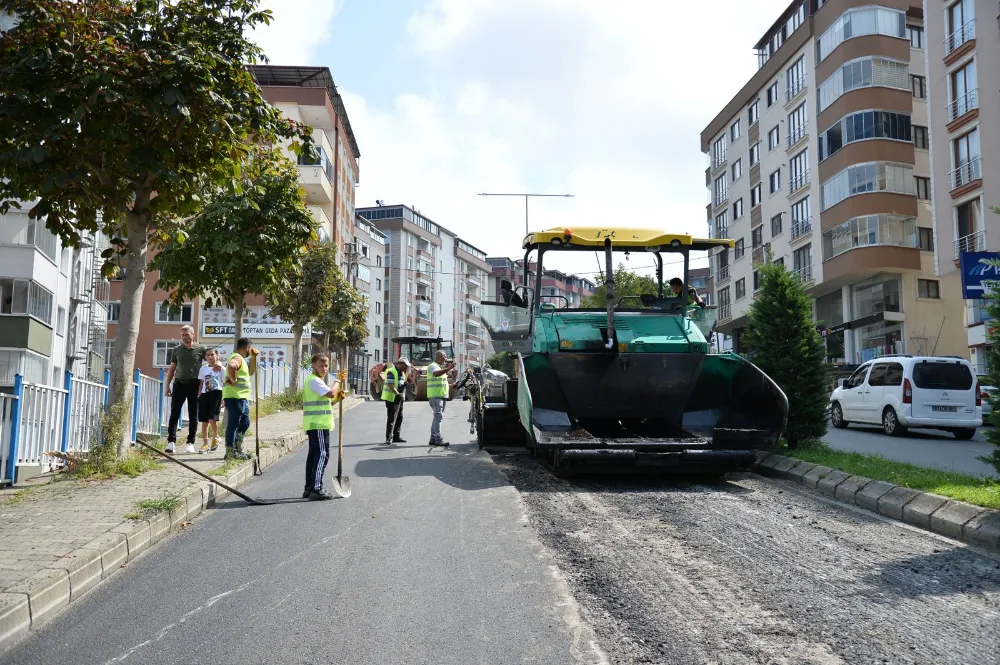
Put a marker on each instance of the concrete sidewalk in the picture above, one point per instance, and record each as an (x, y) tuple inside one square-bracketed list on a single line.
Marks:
[(61, 538)]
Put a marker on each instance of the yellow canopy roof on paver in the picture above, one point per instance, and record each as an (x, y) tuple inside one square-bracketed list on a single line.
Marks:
[(636, 239)]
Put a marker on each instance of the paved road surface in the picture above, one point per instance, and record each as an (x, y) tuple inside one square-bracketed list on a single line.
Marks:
[(430, 561), (928, 448)]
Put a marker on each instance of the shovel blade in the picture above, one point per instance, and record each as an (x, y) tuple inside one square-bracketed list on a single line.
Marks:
[(342, 486)]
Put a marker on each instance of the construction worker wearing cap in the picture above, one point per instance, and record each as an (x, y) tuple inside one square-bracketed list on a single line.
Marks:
[(394, 394), (437, 394)]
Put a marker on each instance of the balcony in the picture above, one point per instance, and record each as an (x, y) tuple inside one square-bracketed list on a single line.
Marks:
[(798, 181), (718, 160), (965, 175), (974, 242), (795, 88), (722, 274), (800, 229), (956, 40), (796, 135), (804, 273), (18, 229), (424, 276), (316, 182), (965, 104)]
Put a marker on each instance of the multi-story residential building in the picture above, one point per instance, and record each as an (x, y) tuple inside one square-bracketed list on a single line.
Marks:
[(368, 275), (435, 282), (558, 287), (962, 50), (821, 162), (53, 314)]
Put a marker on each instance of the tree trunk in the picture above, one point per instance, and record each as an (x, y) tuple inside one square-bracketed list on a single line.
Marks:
[(238, 309), (123, 361), (344, 357), (293, 384)]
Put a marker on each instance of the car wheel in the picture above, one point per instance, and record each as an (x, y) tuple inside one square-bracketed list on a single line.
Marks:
[(964, 434), (890, 423), (837, 416)]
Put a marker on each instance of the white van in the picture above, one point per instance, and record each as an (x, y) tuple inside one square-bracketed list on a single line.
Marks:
[(898, 392)]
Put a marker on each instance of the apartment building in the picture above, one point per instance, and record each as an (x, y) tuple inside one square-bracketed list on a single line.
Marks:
[(52, 314), (962, 51), (558, 287), (822, 162), (435, 282), (368, 276)]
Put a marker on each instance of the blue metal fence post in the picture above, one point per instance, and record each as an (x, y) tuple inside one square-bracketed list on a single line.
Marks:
[(15, 426), (67, 410), (107, 387), (135, 404), (159, 408)]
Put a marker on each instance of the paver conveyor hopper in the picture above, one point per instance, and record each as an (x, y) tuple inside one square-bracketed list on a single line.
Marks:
[(632, 384)]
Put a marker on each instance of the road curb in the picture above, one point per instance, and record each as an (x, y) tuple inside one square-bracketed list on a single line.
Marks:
[(34, 601), (938, 514)]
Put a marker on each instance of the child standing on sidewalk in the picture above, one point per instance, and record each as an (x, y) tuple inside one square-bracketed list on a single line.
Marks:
[(210, 399)]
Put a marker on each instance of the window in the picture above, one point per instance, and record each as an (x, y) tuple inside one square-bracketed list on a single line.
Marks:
[(755, 196), (60, 320), (858, 23), (916, 35), (378, 331), (23, 296), (162, 351), (756, 281), (867, 72), (378, 284), (719, 152), (755, 153), (378, 354), (741, 288), (738, 250), (772, 94), (737, 170), (114, 311), (797, 122), (866, 178), (722, 225), (774, 181), (964, 91), (966, 156), (926, 239), (802, 260), (928, 288), (869, 230), (734, 131), (737, 209), (721, 190), (409, 286), (864, 125), (378, 261), (801, 223), (757, 237), (877, 377), (920, 137), (918, 84), (795, 78), (378, 307), (798, 171), (776, 225), (753, 115), (167, 314), (923, 188), (960, 25), (942, 376), (858, 377), (109, 350), (773, 138)]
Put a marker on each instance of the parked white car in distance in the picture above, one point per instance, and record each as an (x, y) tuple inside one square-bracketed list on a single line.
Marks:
[(985, 391), (899, 392)]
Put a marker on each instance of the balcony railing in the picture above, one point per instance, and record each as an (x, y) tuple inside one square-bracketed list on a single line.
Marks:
[(967, 102), (966, 173), (961, 36), (804, 273), (725, 311), (721, 231), (722, 274), (795, 86), (798, 181), (801, 228), (798, 133), (718, 158), (974, 242)]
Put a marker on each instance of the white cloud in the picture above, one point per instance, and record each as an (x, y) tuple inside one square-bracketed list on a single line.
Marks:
[(557, 96), (299, 28)]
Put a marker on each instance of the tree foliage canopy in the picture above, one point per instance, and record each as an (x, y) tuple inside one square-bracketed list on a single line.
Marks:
[(627, 283), (345, 319), (785, 345)]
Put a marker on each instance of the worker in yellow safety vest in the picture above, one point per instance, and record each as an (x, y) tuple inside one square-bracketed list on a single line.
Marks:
[(437, 394), (319, 396), (236, 397), (394, 394)]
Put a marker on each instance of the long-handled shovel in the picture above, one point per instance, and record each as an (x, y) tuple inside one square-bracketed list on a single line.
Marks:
[(342, 483), (257, 469)]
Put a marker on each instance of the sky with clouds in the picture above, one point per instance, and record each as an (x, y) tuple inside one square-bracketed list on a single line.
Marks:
[(606, 101)]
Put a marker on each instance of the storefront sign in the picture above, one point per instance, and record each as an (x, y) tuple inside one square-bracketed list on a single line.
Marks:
[(251, 330), (975, 273)]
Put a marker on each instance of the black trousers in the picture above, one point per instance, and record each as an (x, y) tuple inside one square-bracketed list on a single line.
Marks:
[(318, 458), (390, 416), (184, 391)]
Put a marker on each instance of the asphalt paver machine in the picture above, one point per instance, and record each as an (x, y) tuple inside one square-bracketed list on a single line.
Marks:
[(632, 384)]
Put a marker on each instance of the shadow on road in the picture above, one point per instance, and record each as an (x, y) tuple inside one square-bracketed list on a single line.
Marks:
[(946, 572), (458, 466)]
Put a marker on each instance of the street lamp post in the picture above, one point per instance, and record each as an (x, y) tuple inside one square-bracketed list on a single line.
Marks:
[(526, 197)]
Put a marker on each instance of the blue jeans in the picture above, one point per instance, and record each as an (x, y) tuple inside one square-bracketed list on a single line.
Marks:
[(237, 422), (437, 404)]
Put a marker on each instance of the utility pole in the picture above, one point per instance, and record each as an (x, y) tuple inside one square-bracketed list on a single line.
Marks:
[(526, 197), (352, 255)]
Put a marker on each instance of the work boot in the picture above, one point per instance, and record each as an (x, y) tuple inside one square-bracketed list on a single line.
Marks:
[(442, 444), (321, 495), (399, 440), (306, 492)]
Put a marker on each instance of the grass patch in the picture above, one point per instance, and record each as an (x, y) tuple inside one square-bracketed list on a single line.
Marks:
[(983, 492), (275, 403), (134, 516), (101, 462), (226, 467), (164, 505), (14, 498)]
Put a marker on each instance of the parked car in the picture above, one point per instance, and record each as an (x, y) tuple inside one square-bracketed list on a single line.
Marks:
[(899, 392), (984, 395)]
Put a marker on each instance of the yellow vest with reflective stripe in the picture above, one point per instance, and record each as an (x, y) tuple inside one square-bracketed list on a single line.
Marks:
[(389, 390), (437, 386), (242, 388), (317, 410)]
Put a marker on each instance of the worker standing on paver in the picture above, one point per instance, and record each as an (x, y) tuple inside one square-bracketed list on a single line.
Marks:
[(182, 386), (236, 397), (394, 394), (437, 394), (319, 396)]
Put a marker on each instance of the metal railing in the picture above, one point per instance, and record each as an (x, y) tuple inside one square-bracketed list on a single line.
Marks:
[(804, 273), (38, 426), (718, 158), (725, 311), (795, 86), (966, 173), (961, 36), (87, 401), (974, 242), (722, 274), (800, 228), (149, 407), (962, 105), (798, 181), (796, 134), (7, 403)]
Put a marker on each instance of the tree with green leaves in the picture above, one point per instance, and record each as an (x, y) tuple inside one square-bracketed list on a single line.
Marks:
[(993, 367), (784, 343), (241, 244), (627, 283), (502, 362), (311, 288), (117, 115), (344, 321)]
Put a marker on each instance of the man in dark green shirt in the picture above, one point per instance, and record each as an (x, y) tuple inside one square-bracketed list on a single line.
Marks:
[(182, 385)]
